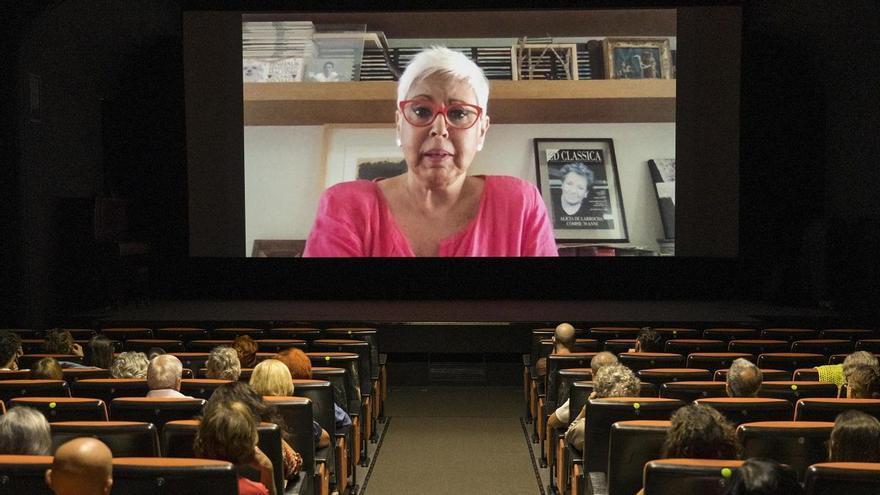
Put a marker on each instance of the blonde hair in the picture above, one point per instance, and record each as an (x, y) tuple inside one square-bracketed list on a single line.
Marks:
[(443, 61), (271, 377), (130, 364)]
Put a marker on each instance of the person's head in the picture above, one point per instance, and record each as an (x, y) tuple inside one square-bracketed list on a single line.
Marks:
[(438, 150), (24, 431), (82, 466), (271, 377), (615, 380), (129, 364), (227, 432), (564, 338), (328, 68), (100, 351), (862, 382), (239, 391), (700, 432), (223, 364), (576, 181), (246, 348), (649, 340), (601, 360), (10, 349), (763, 477), (744, 379), (154, 352), (858, 358), (165, 371), (296, 361), (47, 368), (855, 438), (58, 341)]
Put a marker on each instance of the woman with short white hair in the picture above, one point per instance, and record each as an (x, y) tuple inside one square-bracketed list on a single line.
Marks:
[(24, 431), (129, 364), (435, 208), (223, 364)]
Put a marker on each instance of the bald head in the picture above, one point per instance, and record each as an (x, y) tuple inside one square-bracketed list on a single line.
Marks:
[(744, 379), (564, 337), (82, 466), (601, 360)]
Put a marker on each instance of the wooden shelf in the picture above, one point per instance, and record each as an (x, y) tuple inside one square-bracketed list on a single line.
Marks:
[(510, 102)]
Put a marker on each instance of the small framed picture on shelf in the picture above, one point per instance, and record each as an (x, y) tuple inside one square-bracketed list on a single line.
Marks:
[(581, 188), (637, 58), (541, 61)]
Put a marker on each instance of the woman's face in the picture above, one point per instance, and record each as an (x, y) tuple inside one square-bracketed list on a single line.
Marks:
[(574, 188), (437, 155)]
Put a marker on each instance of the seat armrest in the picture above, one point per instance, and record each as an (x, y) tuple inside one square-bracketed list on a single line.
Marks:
[(383, 358), (597, 484)]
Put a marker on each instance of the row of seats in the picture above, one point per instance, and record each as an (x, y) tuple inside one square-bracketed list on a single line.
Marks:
[(199, 333), (726, 334)]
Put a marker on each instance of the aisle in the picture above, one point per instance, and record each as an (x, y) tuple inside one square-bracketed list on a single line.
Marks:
[(449, 440)]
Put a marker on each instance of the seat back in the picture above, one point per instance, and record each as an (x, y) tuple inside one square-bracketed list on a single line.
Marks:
[(826, 409), (200, 388), (794, 391), (206, 345), (278, 345), (851, 478), (758, 346), (602, 413), (740, 410), (767, 375), (869, 345), (24, 474), (192, 360), (659, 376), (715, 360), (10, 389), (75, 374), (65, 408), (108, 389), (686, 346), (184, 334), (337, 379), (669, 333), (692, 390), (566, 379), (795, 443), (231, 333), (556, 362), (363, 376), (155, 410), (28, 361), (643, 360), (124, 438), (678, 476), (165, 475), (124, 333), (15, 375), (790, 361), (851, 334), (805, 375), (603, 334), (320, 392), (789, 334), (826, 347), (305, 333), (630, 445), (367, 334), (729, 334), (144, 345), (617, 346), (347, 361), (297, 414)]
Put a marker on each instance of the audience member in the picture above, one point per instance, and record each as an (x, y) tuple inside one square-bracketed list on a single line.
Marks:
[(246, 348), (700, 432), (271, 377), (163, 377), (744, 379), (82, 466), (10, 350), (154, 352), (562, 416), (60, 341), (763, 477), (614, 380), (564, 339), (855, 438), (223, 364), (301, 368), (837, 373), (130, 365), (24, 431), (242, 392), (47, 368), (648, 340), (228, 432), (862, 382), (100, 352)]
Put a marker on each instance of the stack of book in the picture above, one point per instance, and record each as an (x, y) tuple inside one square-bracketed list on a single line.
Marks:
[(495, 61), (276, 51)]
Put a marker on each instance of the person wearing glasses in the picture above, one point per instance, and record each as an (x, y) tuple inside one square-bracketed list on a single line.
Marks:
[(435, 208)]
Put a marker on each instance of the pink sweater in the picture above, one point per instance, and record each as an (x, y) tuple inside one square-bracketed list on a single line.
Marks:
[(354, 221)]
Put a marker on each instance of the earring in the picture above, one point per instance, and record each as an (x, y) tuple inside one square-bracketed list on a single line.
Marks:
[(398, 142), (480, 147)]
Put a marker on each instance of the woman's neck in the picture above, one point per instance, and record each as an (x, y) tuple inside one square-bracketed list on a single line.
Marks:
[(427, 199)]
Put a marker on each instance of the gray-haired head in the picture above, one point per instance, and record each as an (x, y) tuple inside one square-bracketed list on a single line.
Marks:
[(439, 60), (129, 364), (743, 379), (616, 380), (859, 358), (601, 360), (165, 371), (24, 431), (223, 364)]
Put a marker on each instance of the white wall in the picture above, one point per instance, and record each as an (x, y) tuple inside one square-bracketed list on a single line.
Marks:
[(284, 172)]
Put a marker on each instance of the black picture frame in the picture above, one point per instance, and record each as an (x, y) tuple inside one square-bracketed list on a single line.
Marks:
[(599, 216)]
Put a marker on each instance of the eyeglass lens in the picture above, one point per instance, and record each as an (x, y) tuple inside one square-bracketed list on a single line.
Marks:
[(423, 113)]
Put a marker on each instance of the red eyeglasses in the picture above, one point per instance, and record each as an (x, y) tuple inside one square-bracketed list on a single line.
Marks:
[(421, 113)]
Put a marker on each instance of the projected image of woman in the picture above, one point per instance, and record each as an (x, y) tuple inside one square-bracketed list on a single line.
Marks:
[(575, 206), (435, 208)]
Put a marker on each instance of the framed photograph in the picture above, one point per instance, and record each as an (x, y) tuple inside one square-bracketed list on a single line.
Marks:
[(544, 61), (581, 188), (637, 58), (360, 151)]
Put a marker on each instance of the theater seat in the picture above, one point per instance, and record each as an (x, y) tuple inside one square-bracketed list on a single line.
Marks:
[(729, 334), (124, 438), (297, 414), (200, 388), (827, 409), (108, 389), (758, 346), (125, 333), (144, 345), (826, 347), (690, 391), (789, 334), (850, 478), (206, 345), (278, 345), (184, 334), (686, 346), (154, 410), (173, 476), (740, 410), (790, 361), (76, 374), (851, 334), (659, 376), (795, 443), (233, 332), (715, 360), (10, 389), (15, 375), (603, 334), (767, 375), (65, 408), (24, 474), (794, 391), (631, 444), (688, 476), (644, 360)]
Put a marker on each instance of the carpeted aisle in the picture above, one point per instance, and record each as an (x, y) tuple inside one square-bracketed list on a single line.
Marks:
[(453, 440)]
